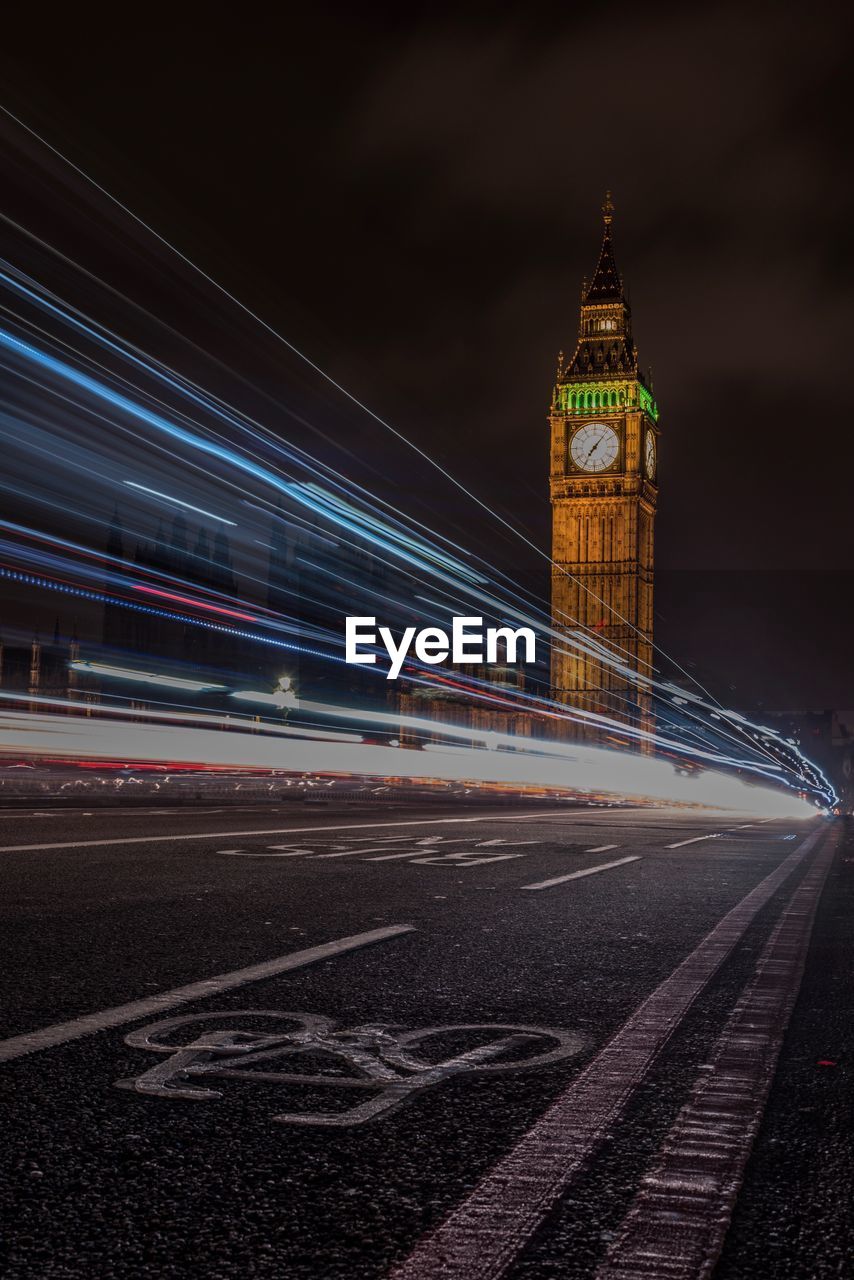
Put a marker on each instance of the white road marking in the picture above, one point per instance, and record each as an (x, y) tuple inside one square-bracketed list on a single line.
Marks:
[(393, 857), (385, 839), (355, 845), (482, 1237), (427, 844), (416, 849), (602, 848), (484, 844), (271, 831), (349, 853), (286, 831), (705, 1153), (578, 875), (382, 1060), (262, 853), (47, 1037), (463, 859), (694, 840), (428, 853)]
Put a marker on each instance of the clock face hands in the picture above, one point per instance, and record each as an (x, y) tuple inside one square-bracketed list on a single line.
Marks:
[(594, 447), (650, 455)]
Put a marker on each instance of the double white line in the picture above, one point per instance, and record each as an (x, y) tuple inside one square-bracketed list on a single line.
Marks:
[(485, 1233)]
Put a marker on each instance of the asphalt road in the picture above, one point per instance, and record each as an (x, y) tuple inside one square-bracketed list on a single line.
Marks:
[(293, 1119)]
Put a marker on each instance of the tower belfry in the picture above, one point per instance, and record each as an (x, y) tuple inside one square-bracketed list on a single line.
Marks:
[(604, 450)]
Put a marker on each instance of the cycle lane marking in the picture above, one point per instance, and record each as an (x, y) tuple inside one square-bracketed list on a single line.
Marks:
[(382, 1059), (118, 1015), (487, 1230)]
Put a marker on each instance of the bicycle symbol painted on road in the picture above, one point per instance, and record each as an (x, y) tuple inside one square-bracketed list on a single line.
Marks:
[(391, 1063)]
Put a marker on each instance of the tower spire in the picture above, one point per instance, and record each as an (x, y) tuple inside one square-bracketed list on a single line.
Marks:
[(607, 284), (605, 344)]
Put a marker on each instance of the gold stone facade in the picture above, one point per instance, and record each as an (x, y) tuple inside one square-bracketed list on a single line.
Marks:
[(603, 477)]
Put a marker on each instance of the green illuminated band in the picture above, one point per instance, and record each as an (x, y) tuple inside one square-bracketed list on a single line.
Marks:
[(604, 397)]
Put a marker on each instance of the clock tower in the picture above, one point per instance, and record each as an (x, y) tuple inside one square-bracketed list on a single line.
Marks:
[(604, 449)]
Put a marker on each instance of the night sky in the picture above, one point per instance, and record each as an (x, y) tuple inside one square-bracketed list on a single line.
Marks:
[(414, 199)]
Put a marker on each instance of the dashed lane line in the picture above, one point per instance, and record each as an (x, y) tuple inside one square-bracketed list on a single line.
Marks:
[(578, 875), (694, 840), (62, 1032), (717, 835), (484, 1235), (602, 848)]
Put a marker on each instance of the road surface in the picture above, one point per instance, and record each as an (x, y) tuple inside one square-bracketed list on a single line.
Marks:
[(425, 1043)]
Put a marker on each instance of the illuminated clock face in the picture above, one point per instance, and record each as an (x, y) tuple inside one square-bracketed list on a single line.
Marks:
[(649, 454), (594, 447)]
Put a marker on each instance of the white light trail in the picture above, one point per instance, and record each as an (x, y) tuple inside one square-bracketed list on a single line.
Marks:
[(142, 677), (594, 771), (167, 497), (492, 739), (282, 698)]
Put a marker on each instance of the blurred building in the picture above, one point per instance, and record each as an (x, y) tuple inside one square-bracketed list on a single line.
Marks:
[(188, 558), (480, 698), (43, 669), (315, 581)]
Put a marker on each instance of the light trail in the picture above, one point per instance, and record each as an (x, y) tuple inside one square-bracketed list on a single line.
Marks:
[(492, 740), (131, 484), (593, 772), (593, 648), (393, 541), (596, 651), (197, 604), (599, 655), (326, 376), (103, 669)]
